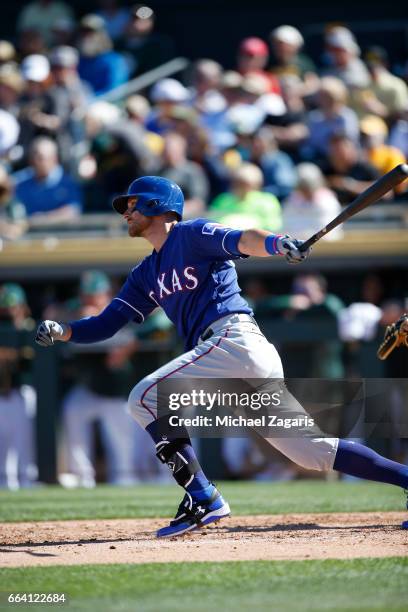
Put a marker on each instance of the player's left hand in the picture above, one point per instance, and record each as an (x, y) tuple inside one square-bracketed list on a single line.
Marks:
[(48, 332), (289, 247)]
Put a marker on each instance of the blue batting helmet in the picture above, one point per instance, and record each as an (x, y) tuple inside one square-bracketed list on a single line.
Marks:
[(155, 196)]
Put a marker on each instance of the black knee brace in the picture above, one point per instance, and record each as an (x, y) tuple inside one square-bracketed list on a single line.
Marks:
[(171, 453)]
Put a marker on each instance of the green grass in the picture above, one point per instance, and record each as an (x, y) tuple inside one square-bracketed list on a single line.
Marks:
[(361, 585), (55, 503)]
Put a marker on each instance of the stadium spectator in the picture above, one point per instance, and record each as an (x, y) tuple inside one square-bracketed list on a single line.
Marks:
[(138, 109), (12, 213), (212, 105), (205, 94), (63, 32), (288, 60), (290, 128), (35, 116), (9, 133), (331, 117), (245, 205), (286, 42), (143, 46), (244, 120), (200, 149), (190, 176), (64, 65), (165, 95), (253, 56), (384, 157), (230, 87), (258, 145), (279, 174), (115, 16), (7, 53), (390, 92), (202, 152), (311, 206), (49, 195), (68, 97), (41, 16), (100, 66), (347, 173), (255, 91), (17, 400), (343, 51), (399, 133), (119, 150), (11, 87), (101, 379), (185, 121)]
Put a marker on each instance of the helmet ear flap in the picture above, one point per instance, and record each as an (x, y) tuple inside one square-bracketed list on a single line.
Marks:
[(152, 203)]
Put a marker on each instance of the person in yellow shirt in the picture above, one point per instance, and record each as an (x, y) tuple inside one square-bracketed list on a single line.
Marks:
[(384, 157), (246, 205)]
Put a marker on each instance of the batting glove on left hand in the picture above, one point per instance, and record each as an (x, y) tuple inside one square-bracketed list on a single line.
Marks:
[(48, 332), (289, 247)]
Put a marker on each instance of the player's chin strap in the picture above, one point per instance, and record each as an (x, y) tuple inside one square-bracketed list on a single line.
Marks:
[(172, 452)]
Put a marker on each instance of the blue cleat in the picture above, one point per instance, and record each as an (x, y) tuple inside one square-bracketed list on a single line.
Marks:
[(193, 514)]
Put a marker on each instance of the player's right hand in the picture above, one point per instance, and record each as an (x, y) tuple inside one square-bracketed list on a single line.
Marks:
[(48, 332), (289, 247)]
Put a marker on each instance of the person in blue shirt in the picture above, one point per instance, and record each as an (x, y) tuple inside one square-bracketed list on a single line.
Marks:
[(99, 65), (191, 275), (48, 194)]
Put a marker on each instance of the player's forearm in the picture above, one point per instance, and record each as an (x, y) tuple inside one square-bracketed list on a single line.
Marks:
[(98, 328), (252, 242)]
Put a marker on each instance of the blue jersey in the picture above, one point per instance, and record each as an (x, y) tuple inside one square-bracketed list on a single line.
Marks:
[(192, 277)]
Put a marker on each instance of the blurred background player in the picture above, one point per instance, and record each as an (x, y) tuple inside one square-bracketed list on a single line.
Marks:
[(101, 376), (17, 398)]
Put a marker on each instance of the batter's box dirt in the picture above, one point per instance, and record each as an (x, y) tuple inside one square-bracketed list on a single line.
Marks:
[(288, 536)]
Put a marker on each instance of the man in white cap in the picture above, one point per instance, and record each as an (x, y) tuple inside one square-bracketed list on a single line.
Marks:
[(165, 95), (343, 51), (286, 42), (36, 116)]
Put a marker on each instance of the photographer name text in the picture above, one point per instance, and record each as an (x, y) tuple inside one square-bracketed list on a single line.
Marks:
[(230, 421)]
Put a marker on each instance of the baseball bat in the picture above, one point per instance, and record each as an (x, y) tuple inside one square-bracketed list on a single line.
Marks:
[(366, 198)]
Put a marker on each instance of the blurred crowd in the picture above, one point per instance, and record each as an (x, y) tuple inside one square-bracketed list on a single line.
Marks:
[(97, 439), (278, 140)]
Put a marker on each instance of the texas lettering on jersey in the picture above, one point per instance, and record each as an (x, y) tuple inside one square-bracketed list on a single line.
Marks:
[(169, 283)]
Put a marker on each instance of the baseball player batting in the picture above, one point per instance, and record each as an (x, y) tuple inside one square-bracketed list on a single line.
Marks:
[(191, 275)]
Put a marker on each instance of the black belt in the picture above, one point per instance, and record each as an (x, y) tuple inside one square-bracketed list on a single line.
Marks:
[(210, 332)]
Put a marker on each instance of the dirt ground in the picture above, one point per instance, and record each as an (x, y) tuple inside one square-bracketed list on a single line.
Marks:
[(289, 536)]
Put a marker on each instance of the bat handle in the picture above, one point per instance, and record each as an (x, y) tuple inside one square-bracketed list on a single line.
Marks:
[(310, 241)]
